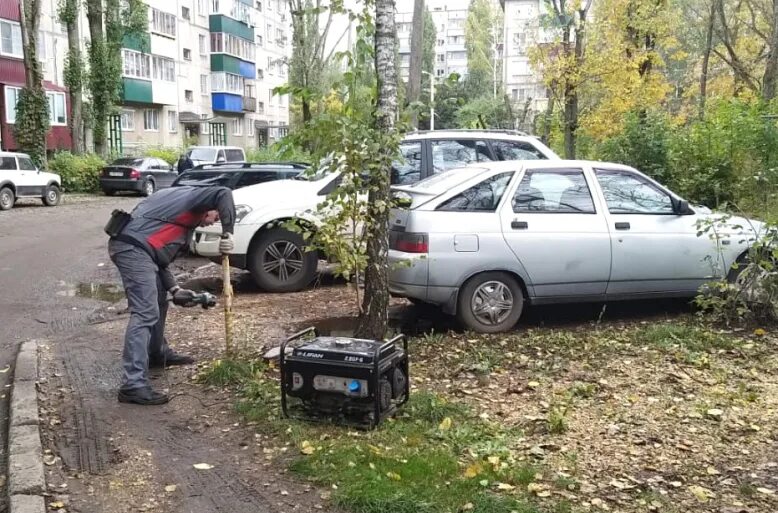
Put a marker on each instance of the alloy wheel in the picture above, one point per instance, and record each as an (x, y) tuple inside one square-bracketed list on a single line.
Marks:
[(283, 260), (492, 302)]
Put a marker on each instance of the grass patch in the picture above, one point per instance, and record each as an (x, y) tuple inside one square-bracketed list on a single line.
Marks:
[(684, 336)]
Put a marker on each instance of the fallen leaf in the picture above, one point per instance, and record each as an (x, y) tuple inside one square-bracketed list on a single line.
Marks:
[(473, 470), (284, 493), (759, 332), (445, 424), (715, 413), (484, 482), (766, 491), (394, 476), (494, 460), (203, 466), (7, 367), (307, 448), (505, 486), (57, 505), (49, 459), (533, 384), (170, 488), (702, 494), (467, 507)]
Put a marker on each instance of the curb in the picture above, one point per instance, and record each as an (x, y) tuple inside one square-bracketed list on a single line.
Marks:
[(26, 481)]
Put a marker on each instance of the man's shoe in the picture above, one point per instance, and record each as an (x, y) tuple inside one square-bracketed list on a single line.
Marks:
[(170, 360), (145, 396)]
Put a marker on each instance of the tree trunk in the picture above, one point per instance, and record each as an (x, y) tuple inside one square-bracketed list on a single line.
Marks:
[(374, 317), (97, 55), (414, 72), (570, 111), (545, 135), (74, 75), (32, 123), (706, 59), (771, 66)]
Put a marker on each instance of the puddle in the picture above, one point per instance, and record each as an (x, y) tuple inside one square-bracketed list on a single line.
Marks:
[(108, 292)]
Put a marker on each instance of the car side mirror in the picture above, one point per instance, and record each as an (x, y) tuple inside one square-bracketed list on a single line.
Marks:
[(681, 207)]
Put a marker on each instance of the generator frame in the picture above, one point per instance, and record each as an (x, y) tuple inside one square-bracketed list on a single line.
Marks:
[(374, 381)]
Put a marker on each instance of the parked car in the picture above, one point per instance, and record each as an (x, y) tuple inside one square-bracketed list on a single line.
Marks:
[(276, 257), (215, 154), (483, 242), (139, 174), (20, 178), (239, 175)]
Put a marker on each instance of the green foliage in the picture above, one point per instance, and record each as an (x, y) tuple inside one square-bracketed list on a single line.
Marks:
[(80, 173), (642, 144), (169, 155), (484, 112), (483, 31), (278, 152), (32, 123)]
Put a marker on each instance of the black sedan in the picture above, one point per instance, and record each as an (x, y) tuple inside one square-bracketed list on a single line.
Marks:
[(238, 175), (139, 174)]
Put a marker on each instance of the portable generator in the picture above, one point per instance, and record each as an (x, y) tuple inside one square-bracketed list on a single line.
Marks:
[(347, 380)]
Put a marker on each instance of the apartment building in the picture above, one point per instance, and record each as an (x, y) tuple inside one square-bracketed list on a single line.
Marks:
[(523, 84), (449, 17), (203, 73)]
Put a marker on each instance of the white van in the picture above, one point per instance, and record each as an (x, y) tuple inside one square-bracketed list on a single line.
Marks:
[(215, 154)]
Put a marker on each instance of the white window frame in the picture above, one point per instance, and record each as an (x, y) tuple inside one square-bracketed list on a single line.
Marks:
[(188, 100), (52, 96), (204, 89), (162, 23), (250, 127), (222, 82), (14, 39), (135, 63), (237, 127), (205, 128), (163, 68), (150, 118), (203, 44), (8, 118), (127, 115), (172, 121)]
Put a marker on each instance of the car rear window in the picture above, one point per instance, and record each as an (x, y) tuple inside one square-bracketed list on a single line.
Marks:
[(127, 162), (202, 177), (234, 155)]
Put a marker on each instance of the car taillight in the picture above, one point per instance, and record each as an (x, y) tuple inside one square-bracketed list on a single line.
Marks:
[(411, 242), (135, 174)]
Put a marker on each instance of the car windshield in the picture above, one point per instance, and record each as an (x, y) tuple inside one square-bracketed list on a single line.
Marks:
[(446, 180), (202, 178), (208, 154), (127, 162)]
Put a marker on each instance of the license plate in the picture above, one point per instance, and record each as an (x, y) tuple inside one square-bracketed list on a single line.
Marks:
[(115, 173)]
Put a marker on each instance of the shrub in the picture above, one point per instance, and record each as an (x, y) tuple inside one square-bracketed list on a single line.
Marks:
[(277, 153), (79, 173), (169, 155)]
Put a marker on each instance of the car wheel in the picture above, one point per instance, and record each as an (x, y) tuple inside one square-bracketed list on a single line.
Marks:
[(52, 196), (7, 198), (490, 303), (279, 263), (148, 188), (109, 192)]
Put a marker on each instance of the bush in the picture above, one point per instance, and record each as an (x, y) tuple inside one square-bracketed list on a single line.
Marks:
[(79, 173), (169, 155), (277, 153)]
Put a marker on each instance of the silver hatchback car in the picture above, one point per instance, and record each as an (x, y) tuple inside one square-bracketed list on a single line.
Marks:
[(482, 242)]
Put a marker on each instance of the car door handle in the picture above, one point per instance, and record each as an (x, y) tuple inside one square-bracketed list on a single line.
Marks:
[(519, 225), (622, 226)]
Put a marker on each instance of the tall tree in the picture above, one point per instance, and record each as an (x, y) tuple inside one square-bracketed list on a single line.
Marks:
[(771, 66), (711, 23), (32, 109), (374, 318), (483, 33), (309, 37), (413, 91), (74, 73)]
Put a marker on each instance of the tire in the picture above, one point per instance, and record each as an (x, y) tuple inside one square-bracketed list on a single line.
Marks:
[(735, 272), (109, 192), (148, 188), (52, 196), (270, 257), (500, 288), (7, 198)]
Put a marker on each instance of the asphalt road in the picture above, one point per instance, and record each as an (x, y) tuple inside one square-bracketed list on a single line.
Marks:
[(45, 253)]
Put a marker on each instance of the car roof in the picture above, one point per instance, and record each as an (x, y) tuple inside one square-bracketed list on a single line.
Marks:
[(248, 166), (464, 133), (13, 154), (514, 165), (216, 147)]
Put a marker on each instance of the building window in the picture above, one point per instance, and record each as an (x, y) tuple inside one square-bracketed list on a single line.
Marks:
[(233, 45), (151, 120), (172, 121), (203, 84), (163, 68), (250, 127), (189, 96), (11, 97), (127, 119), (185, 12), (136, 64), (441, 57), (259, 39), (163, 23), (57, 110), (204, 125), (280, 39), (10, 39), (261, 107), (201, 8), (187, 54), (269, 65), (237, 126), (203, 44), (260, 74), (42, 47), (227, 83), (259, 6)]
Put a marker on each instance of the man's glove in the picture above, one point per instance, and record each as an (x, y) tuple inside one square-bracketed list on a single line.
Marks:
[(226, 244), (184, 297)]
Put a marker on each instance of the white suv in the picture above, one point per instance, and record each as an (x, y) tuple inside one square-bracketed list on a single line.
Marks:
[(276, 257), (20, 178)]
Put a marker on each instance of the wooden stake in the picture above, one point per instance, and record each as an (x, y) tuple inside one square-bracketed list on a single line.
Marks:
[(227, 306)]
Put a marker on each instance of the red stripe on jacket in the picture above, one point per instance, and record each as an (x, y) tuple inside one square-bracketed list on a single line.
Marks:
[(170, 232)]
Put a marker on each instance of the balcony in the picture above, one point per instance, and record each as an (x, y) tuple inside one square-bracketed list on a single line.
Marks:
[(249, 104)]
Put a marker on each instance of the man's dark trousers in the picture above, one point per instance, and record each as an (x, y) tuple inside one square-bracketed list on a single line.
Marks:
[(147, 299)]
